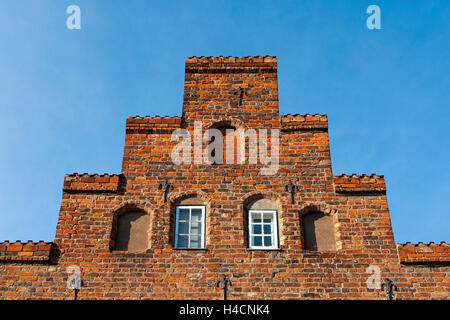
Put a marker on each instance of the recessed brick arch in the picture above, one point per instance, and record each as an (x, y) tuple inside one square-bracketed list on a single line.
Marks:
[(234, 122), (177, 197), (188, 197), (130, 229), (257, 200), (228, 123), (256, 195), (319, 227)]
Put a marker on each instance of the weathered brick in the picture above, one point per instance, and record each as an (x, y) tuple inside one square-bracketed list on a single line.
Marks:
[(238, 92)]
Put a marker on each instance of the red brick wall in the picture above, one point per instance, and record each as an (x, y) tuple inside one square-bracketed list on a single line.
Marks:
[(358, 205)]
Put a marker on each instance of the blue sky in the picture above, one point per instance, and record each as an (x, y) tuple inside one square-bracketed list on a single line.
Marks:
[(65, 94)]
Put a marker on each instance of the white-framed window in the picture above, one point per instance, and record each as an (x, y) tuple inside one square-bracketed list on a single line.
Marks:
[(190, 227), (263, 229)]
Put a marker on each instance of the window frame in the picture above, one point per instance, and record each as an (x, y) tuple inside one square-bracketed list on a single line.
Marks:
[(274, 226), (203, 227)]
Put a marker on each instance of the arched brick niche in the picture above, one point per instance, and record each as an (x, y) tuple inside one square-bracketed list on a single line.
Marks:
[(234, 123), (191, 200), (226, 129), (229, 128), (130, 230), (187, 200), (264, 203), (318, 229)]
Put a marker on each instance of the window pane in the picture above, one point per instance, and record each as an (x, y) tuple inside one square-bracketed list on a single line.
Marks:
[(256, 218), (257, 229), (196, 214), (183, 227), (196, 227), (267, 217), (182, 242), (267, 229), (268, 241), (183, 214), (189, 227), (257, 241), (195, 242)]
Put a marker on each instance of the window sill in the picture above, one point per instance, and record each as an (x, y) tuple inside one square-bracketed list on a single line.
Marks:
[(264, 249), (190, 249), (125, 252)]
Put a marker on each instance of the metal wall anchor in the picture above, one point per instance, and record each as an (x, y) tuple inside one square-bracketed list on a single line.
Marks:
[(291, 188), (240, 95), (166, 187), (389, 287), (225, 282)]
